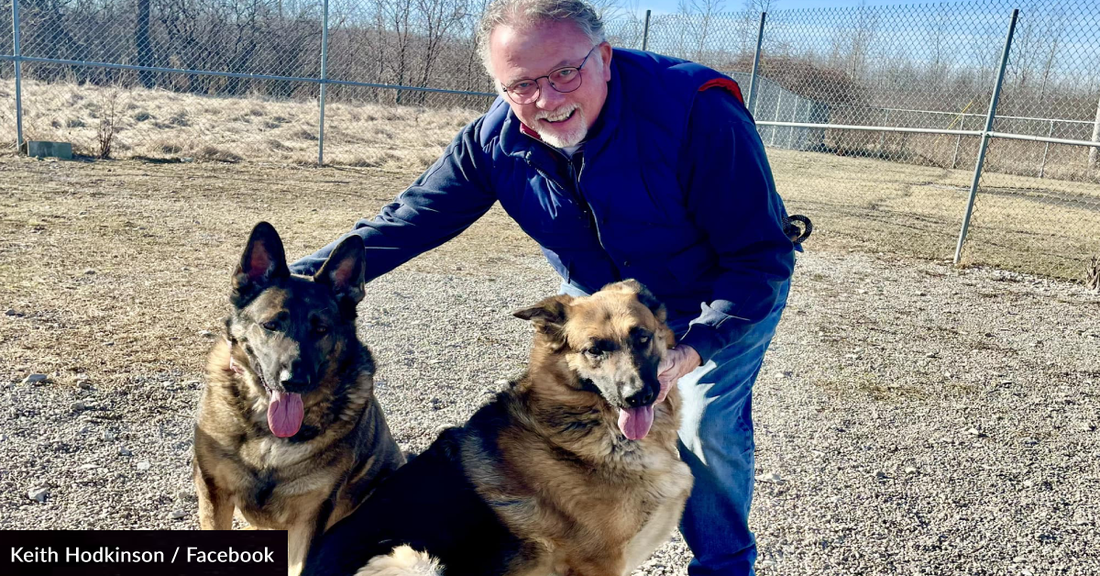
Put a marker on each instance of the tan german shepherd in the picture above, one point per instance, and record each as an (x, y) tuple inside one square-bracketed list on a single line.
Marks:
[(288, 429), (572, 471)]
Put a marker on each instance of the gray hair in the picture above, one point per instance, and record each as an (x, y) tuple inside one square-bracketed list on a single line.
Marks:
[(528, 12)]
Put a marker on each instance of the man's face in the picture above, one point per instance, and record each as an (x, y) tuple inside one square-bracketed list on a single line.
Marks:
[(523, 53)]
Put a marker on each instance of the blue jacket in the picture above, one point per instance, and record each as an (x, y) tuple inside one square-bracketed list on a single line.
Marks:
[(674, 190)]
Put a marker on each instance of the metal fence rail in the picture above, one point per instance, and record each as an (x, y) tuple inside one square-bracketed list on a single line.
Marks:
[(897, 101), (878, 119)]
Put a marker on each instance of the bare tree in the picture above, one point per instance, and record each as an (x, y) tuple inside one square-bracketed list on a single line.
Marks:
[(187, 26), (749, 25), (699, 17), (608, 9), (1055, 30), (852, 45), (44, 24), (400, 16), (474, 75), (143, 43), (758, 6), (438, 18)]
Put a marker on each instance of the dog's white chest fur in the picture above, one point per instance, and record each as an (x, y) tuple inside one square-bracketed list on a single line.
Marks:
[(277, 453), (673, 490)]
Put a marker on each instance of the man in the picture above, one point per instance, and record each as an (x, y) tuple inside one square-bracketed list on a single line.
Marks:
[(625, 164)]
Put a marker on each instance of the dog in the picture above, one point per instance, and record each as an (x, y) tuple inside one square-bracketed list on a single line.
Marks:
[(288, 430), (573, 470)]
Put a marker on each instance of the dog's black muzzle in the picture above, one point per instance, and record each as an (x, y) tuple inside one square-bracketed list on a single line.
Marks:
[(645, 396), (301, 378)]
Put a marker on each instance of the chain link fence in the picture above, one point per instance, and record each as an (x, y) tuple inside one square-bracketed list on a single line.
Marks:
[(207, 80), (1038, 203), (875, 117), (7, 86)]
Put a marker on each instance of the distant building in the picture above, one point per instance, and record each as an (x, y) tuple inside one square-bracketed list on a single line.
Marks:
[(777, 104)]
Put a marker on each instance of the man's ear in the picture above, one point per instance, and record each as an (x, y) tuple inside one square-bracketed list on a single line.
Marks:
[(548, 316), (345, 272), (262, 263), (605, 55)]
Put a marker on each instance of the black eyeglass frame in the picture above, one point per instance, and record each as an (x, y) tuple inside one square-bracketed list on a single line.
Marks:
[(538, 87)]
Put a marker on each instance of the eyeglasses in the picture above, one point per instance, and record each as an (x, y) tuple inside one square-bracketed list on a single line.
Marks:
[(564, 80)]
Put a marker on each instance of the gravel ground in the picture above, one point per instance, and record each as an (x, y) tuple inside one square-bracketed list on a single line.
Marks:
[(911, 418)]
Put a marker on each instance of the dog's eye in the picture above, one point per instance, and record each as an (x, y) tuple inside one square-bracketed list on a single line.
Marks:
[(644, 339), (593, 352), (270, 325), (320, 329)]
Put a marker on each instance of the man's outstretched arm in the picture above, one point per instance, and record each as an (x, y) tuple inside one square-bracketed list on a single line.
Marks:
[(443, 202)]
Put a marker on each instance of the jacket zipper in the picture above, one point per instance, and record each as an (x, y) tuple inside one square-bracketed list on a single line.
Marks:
[(581, 203), (574, 191)]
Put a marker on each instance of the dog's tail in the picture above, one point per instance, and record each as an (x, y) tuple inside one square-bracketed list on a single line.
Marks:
[(403, 561)]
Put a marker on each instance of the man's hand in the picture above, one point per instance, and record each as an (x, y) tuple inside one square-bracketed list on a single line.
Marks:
[(678, 362)]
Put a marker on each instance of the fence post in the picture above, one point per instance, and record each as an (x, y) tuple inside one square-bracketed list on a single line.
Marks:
[(794, 119), (324, 87), (751, 103), (882, 137), (985, 136), (18, 76), (958, 141), (645, 33), (1046, 149), (778, 104), (1093, 151)]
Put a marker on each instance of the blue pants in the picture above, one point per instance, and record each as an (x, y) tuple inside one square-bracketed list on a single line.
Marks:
[(716, 442)]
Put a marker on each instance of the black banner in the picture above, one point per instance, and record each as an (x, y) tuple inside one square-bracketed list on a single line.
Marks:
[(156, 553)]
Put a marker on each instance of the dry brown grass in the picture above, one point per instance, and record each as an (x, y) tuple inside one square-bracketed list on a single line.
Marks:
[(1022, 223), (112, 269), (1004, 156), (170, 125)]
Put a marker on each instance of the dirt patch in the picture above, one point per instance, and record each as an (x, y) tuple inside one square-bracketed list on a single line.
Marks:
[(127, 262), (910, 416)]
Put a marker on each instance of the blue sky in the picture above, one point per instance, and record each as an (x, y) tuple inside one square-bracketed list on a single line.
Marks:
[(735, 5)]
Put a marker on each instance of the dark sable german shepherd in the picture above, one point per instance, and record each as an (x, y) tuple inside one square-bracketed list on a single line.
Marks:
[(288, 429), (572, 471)]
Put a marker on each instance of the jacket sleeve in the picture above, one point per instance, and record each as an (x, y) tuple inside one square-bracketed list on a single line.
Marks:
[(440, 204), (731, 195)]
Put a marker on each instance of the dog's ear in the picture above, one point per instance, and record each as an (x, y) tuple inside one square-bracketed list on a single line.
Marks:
[(646, 298), (548, 316), (262, 263), (345, 272)]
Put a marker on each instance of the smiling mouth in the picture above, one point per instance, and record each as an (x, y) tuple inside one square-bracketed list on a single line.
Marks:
[(559, 121), (285, 410)]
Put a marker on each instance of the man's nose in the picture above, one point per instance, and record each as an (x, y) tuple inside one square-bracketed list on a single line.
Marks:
[(549, 98)]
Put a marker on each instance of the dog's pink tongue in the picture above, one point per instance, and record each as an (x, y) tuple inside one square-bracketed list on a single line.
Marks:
[(635, 422), (284, 414)]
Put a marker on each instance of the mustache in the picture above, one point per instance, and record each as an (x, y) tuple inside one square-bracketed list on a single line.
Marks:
[(559, 114)]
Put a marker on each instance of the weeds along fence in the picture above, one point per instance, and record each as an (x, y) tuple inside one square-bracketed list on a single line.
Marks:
[(966, 131)]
